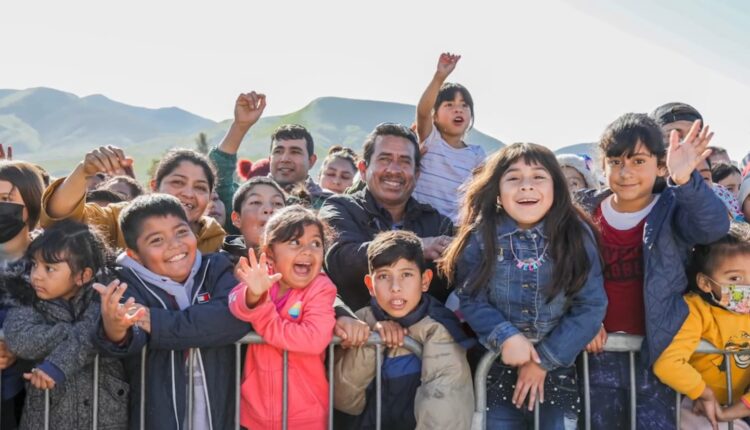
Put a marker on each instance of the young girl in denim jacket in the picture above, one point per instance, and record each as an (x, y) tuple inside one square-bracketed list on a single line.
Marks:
[(529, 277), (646, 236)]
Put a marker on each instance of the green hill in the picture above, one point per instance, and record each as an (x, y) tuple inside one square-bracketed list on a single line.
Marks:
[(55, 128)]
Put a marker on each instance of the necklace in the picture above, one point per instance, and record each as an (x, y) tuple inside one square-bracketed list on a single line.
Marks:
[(530, 264)]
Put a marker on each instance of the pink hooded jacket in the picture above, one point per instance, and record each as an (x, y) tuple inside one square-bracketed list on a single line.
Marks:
[(304, 327)]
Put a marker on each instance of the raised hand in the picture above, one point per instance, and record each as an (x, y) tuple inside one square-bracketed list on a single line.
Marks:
[(254, 274), (446, 64), (684, 157), (117, 318), (248, 108), (6, 155), (106, 159)]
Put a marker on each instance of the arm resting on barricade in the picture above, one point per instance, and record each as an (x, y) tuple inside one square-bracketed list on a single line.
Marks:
[(30, 336), (582, 320), (311, 335)]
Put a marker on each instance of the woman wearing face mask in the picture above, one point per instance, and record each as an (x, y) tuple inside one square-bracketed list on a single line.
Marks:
[(21, 189)]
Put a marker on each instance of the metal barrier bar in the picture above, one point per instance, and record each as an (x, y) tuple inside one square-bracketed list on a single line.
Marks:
[(191, 388), (251, 338), (95, 418), (285, 392), (237, 383), (46, 409), (142, 414), (330, 386), (616, 342)]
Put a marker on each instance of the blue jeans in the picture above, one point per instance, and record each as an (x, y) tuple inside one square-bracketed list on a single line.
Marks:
[(609, 378), (558, 412), (508, 417)]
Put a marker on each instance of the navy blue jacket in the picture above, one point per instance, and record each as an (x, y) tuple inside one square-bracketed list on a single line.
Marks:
[(684, 216), (206, 324)]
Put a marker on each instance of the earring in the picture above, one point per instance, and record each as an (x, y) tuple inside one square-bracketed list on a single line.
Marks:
[(498, 205)]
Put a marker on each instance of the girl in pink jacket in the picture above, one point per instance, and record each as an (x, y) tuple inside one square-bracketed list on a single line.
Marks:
[(289, 302)]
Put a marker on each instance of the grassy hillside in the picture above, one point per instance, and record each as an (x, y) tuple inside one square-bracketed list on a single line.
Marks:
[(56, 129)]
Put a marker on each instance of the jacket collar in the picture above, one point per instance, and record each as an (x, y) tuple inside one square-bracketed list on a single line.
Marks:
[(412, 210), (508, 226)]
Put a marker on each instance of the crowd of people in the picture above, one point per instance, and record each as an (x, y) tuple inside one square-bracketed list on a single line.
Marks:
[(521, 252)]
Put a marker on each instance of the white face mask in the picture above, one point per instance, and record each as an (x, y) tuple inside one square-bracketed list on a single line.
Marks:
[(734, 297)]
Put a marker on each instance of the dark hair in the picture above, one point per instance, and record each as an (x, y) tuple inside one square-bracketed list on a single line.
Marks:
[(144, 207), (391, 129), (390, 246), (74, 243), (25, 177), (447, 93), (704, 257), (135, 188), (621, 137), (44, 174), (241, 194), (107, 196), (673, 112), (342, 152), (717, 150), (289, 224), (567, 227), (293, 132), (720, 171), (174, 157)]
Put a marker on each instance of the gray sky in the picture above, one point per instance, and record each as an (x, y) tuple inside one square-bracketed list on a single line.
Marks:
[(553, 72)]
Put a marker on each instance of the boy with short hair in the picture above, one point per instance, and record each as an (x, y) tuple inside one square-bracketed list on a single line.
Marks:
[(431, 392), (177, 306)]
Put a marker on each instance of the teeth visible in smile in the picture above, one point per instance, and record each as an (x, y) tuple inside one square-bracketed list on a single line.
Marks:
[(188, 205), (392, 183), (397, 302), (177, 257)]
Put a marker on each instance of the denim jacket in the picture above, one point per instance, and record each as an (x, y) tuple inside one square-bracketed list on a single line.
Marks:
[(514, 301)]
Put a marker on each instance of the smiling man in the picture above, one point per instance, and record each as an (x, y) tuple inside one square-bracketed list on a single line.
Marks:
[(292, 154), (390, 168)]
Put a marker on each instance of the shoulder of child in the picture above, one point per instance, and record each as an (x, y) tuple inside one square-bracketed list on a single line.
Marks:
[(430, 330)]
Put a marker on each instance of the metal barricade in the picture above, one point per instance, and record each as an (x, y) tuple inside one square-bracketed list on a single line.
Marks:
[(251, 339), (616, 342)]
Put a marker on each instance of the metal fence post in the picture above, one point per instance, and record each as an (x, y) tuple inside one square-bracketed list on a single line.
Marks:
[(285, 393), (96, 393)]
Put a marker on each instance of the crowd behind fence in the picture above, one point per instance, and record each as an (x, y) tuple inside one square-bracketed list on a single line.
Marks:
[(621, 343)]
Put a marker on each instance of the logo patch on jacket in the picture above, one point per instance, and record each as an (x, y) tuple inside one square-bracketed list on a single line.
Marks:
[(203, 298), (296, 310)]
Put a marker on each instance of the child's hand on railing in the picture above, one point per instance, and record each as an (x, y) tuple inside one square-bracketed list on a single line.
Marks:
[(254, 274), (517, 351), (7, 358), (117, 318), (353, 332), (391, 333), (708, 406), (735, 412), (39, 379), (530, 382), (597, 344)]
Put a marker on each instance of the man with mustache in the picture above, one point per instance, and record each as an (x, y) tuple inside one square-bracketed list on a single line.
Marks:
[(389, 168), (292, 153)]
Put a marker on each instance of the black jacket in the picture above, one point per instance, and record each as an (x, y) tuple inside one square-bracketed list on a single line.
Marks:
[(357, 218), (206, 325)]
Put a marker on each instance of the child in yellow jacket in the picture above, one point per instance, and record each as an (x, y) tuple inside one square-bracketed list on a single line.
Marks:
[(719, 305)]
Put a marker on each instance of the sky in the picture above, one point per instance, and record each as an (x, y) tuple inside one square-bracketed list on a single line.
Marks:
[(552, 72)]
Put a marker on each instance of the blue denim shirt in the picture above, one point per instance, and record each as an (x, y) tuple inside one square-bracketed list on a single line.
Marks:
[(515, 300)]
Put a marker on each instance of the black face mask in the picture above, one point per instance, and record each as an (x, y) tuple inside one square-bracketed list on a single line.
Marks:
[(11, 220)]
